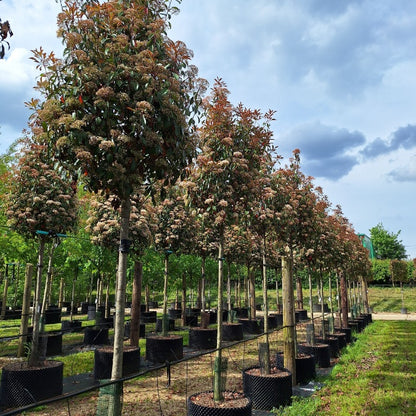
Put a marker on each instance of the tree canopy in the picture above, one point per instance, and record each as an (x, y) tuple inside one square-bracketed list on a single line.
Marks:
[(386, 244)]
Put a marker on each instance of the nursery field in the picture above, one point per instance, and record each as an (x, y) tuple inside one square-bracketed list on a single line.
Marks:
[(362, 370)]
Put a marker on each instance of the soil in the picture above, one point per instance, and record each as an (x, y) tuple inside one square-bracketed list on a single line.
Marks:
[(274, 372), (231, 400), (24, 365), (110, 348)]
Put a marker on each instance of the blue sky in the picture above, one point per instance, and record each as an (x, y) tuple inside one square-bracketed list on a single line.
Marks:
[(340, 75)]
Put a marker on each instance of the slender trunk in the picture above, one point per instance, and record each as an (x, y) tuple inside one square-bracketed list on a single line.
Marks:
[(365, 296), (344, 300), (252, 294), (5, 290), (218, 354), (265, 360), (48, 285), (136, 304), (35, 353), (165, 296), (229, 291), (299, 293), (203, 283), (117, 368), (321, 289), (312, 330), (25, 309), (184, 299), (71, 313), (246, 292), (147, 297), (61, 292), (278, 306), (289, 336), (331, 307), (339, 302)]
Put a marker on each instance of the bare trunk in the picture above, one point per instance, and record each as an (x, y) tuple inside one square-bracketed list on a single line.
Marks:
[(34, 353), (165, 296), (299, 293), (278, 306), (5, 290), (312, 340), (136, 304), (117, 368), (344, 300), (229, 291), (25, 309), (265, 361), (218, 354), (61, 292), (365, 296), (289, 330), (184, 299), (252, 292), (203, 300)]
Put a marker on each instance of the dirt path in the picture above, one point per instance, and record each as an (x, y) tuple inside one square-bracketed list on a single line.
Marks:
[(393, 316)]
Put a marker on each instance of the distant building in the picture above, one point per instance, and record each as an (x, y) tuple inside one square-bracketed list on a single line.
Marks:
[(367, 244)]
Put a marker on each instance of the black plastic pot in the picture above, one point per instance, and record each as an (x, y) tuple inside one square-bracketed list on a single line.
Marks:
[(346, 331), (333, 344), (159, 325), (342, 339), (53, 315), (175, 313), (197, 409), (103, 362), (232, 332), (22, 385), (160, 349), (305, 367), (53, 343), (268, 391), (303, 314), (148, 317), (271, 320), (279, 318), (96, 336), (251, 326), (202, 338), (241, 312), (321, 352), (127, 326), (71, 326)]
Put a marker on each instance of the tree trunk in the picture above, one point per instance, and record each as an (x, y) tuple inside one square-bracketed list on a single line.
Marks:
[(25, 309), (278, 306), (344, 300), (34, 353), (61, 292), (311, 306), (48, 284), (165, 297), (229, 290), (365, 296), (5, 290), (117, 368), (252, 292), (299, 293), (289, 336), (136, 304), (184, 299), (203, 300), (265, 361), (147, 297), (218, 354)]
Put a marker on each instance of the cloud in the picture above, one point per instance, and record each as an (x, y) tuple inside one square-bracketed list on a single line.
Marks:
[(406, 172), (325, 149), (402, 138)]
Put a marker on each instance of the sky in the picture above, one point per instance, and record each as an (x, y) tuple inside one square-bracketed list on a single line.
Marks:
[(340, 74)]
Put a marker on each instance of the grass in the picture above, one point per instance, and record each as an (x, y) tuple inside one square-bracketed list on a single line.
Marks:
[(375, 376)]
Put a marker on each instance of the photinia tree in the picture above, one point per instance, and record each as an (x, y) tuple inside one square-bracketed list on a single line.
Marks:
[(119, 107), (41, 203), (103, 224), (233, 142)]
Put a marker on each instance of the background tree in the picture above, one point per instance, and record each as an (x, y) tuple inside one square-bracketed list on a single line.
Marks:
[(40, 199), (387, 244)]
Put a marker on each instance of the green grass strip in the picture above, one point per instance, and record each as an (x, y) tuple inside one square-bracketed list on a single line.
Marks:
[(375, 376)]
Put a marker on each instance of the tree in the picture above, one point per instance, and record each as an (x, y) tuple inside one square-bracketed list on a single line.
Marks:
[(387, 244), (5, 31), (223, 181), (41, 203), (119, 108)]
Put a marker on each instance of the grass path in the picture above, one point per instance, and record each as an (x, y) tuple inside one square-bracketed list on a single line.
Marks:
[(375, 376)]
